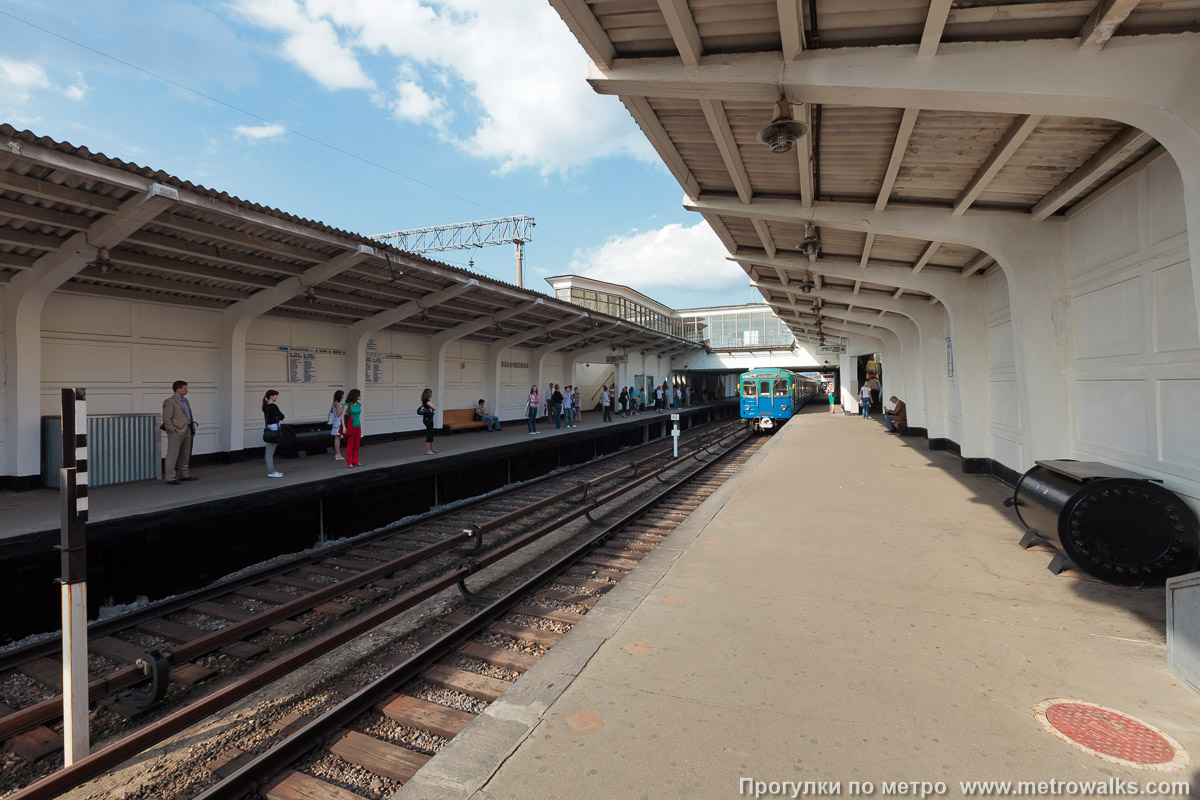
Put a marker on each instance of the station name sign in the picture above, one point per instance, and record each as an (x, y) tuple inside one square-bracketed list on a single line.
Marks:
[(514, 364), (830, 349), (616, 359)]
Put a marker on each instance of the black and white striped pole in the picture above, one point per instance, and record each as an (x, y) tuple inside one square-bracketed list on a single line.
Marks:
[(73, 550)]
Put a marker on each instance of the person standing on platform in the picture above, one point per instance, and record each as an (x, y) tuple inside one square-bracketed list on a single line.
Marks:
[(180, 427), (576, 405), (427, 410), (623, 402), (353, 426), (481, 414), (658, 400), (895, 419), (272, 416), (832, 397), (606, 403), (336, 412), (556, 404), (568, 407), (678, 397), (531, 409), (864, 395), (873, 382), (691, 396)]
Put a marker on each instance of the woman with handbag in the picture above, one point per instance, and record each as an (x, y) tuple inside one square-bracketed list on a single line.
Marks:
[(353, 426), (272, 416), (426, 411), (531, 409), (336, 412)]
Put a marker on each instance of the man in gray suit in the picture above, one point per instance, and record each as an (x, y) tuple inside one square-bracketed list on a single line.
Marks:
[(180, 427)]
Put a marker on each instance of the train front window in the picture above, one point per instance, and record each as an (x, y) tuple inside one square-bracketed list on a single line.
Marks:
[(781, 387), (764, 388), (748, 389)]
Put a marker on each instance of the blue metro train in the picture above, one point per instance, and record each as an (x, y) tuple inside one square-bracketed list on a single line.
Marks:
[(769, 397)]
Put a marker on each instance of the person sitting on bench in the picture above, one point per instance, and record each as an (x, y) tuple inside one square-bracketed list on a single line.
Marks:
[(895, 419)]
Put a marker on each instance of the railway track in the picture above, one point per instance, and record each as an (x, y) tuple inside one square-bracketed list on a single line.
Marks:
[(330, 596)]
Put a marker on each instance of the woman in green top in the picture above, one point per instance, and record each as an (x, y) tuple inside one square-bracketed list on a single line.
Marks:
[(353, 426)]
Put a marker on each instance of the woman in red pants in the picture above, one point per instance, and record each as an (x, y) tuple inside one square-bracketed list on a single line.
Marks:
[(353, 426)]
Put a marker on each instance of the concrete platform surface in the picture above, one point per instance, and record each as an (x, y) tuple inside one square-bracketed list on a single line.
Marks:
[(22, 513), (850, 608)]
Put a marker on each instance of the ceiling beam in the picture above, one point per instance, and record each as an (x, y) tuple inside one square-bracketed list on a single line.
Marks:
[(643, 114), (791, 27), (926, 254), (1113, 153), (1103, 23), (587, 29), (718, 225), (803, 113), (866, 253), (907, 123), (683, 30), (764, 233), (1004, 150), (935, 23), (1117, 180), (718, 125), (975, 264)]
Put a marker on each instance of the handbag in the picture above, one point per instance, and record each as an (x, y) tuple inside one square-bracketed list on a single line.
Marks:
[(270, 436)]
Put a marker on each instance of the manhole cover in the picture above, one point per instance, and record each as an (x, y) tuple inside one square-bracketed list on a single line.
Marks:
[(1111, 735)]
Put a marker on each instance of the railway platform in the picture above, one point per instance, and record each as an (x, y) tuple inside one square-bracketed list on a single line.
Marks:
[(850, 608), (148, 538)]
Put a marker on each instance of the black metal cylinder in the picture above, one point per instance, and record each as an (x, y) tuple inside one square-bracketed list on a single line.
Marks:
[(1116, 525)]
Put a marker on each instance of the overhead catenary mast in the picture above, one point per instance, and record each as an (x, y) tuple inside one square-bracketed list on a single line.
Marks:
[(467, 236)]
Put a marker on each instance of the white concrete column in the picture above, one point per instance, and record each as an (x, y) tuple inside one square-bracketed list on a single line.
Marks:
[(235, 325), (358, 334), (497, 349), (436, 367), (25, 297)]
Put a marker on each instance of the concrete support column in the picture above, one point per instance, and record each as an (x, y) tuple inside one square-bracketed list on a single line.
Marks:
[(435, 368), (24, 298)]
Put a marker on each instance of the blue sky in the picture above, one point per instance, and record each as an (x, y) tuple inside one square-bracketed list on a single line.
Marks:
[(483, 99)]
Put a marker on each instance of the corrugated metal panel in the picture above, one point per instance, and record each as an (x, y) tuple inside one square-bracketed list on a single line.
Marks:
[(635, 27), (770, 173), (1055, 149), (742, 231), (685, 123), (944, 153), (856, 143), (851, 23), (121, 448), (893, 248), (749, 26)]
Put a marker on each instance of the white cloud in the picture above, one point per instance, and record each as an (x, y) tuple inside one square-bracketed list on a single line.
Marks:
[(311, 43), (77, 90), (674, 256), (529, 105), (413, 104), (20, 79), (256, 133)]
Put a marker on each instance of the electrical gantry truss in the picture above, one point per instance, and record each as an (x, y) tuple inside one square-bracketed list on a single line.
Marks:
[(462, 236), (906, 131)]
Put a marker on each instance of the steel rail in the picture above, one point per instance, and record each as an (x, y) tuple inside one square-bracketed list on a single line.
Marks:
[(13, 657), (51, 709), (97, 763), (252, 775)]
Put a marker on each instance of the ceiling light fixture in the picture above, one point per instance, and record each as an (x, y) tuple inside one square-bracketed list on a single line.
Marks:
[(102, 261), (782, 133)]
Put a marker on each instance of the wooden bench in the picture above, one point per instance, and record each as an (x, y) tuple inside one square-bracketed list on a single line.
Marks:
[(461, 419)]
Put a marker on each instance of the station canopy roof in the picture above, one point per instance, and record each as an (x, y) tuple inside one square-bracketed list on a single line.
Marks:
[(702, 77), (171, 241)]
